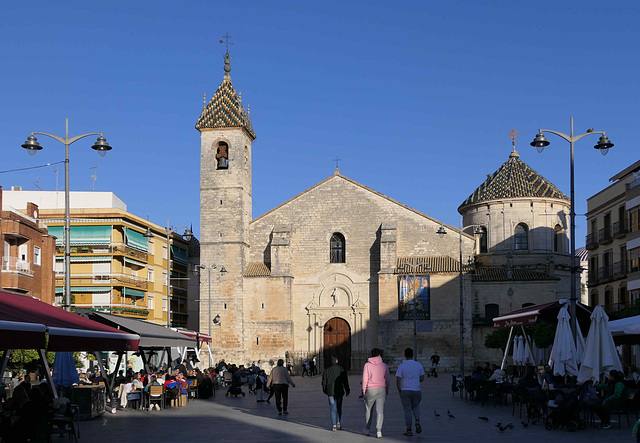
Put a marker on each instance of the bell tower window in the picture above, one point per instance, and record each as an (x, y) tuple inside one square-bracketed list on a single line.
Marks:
[(222, 156), (337, 248)]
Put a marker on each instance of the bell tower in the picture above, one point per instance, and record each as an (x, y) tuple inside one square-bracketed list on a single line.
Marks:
[(226, 136)]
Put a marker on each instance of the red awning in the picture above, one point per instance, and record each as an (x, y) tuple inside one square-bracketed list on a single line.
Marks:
[(15, 335), (521, 317), (67, 331), (547, 312), (199, 336)]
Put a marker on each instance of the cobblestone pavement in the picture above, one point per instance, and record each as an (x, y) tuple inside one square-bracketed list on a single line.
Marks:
[(243, 419)]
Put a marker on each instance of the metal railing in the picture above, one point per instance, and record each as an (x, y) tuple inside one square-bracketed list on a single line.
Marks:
[(118, 308), (112, 279), (592, 277), (619, 269), (117, 248), (12, 264), (604, 236), (620, 228), (605, 274), (591, 241)]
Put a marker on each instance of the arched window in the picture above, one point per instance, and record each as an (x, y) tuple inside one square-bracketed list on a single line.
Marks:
[(522, 237), (482, 234), (558, 239), (491, 311), (222, 156), (337, 248), (594, 299)]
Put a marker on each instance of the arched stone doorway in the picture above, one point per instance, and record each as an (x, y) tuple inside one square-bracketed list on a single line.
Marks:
[(337, 340)]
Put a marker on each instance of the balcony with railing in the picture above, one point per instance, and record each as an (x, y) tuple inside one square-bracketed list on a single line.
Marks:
[(604, 236), (13, 264), (592, 277), (619, 269), (605, 274), (591, 241), (620, 229), (126, 310), (115, 248), (103, 279)]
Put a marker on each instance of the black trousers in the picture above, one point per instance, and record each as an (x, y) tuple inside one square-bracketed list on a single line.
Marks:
[(282, 396)]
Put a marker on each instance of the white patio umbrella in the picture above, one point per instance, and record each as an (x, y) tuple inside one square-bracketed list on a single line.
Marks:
[(580, 344), (527, 352), (600, 354), (518, 350), (563, 357)]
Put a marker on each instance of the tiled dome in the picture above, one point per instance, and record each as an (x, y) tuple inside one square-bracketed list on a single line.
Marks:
[(514, 179)]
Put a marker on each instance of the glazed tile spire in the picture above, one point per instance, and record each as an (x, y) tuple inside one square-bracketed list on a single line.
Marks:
[(225, 109)]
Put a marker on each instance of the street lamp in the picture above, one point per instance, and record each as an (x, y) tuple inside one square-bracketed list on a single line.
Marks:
[(540, 142), (102, 147), (415, 300), (187, 236), (441, 233), (209, 268)]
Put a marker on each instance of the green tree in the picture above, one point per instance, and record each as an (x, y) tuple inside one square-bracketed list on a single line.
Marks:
[(497, 339)]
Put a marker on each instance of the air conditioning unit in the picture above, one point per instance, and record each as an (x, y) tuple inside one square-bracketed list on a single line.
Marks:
[(16, 188)]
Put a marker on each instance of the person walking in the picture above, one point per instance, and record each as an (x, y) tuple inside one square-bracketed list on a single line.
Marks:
[(435, 361), (408, 378), (375, 388), (279, 381), (335, 384), (305, 368)]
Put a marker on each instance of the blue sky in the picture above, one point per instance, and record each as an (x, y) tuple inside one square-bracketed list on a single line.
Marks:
[(416, 97)]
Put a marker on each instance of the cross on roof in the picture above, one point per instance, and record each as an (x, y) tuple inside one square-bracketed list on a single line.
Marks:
[(337, 160), (226, 38)]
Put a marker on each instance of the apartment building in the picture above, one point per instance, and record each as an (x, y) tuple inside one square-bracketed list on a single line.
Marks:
[(27, 252), (120, 263), (613, 242)]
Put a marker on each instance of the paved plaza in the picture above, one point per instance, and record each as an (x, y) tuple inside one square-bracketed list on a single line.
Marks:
[(243, 419)]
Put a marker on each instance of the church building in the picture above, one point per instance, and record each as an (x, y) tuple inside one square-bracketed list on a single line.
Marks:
[(341, 268)]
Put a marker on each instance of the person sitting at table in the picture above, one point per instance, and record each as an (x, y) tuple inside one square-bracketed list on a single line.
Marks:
[(498, 375), (634, 374), (153, 381), (613, 398), (84, 380), (478, 374)]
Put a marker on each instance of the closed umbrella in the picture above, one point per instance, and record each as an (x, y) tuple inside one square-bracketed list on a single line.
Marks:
[(580, 344), (527, 352), (563, 357), (64, 369), (518, 350), (600, 354)]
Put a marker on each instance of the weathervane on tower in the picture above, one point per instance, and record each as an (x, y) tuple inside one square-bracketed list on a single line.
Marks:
[(513, 134), (226, 38)]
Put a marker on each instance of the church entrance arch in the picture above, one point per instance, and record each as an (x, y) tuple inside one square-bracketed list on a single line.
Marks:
[(337, 340)]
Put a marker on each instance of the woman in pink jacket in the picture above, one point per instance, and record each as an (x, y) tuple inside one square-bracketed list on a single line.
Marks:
[(375, 388)]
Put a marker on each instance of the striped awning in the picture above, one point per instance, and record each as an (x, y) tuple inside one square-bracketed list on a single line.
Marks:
[(60, 289), (134, 262), (133, 292)]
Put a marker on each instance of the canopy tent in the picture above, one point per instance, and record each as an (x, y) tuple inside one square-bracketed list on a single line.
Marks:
[(152, 336), (546, 312), (626, 331), (201, 340), (530, 315), (24, 321)]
